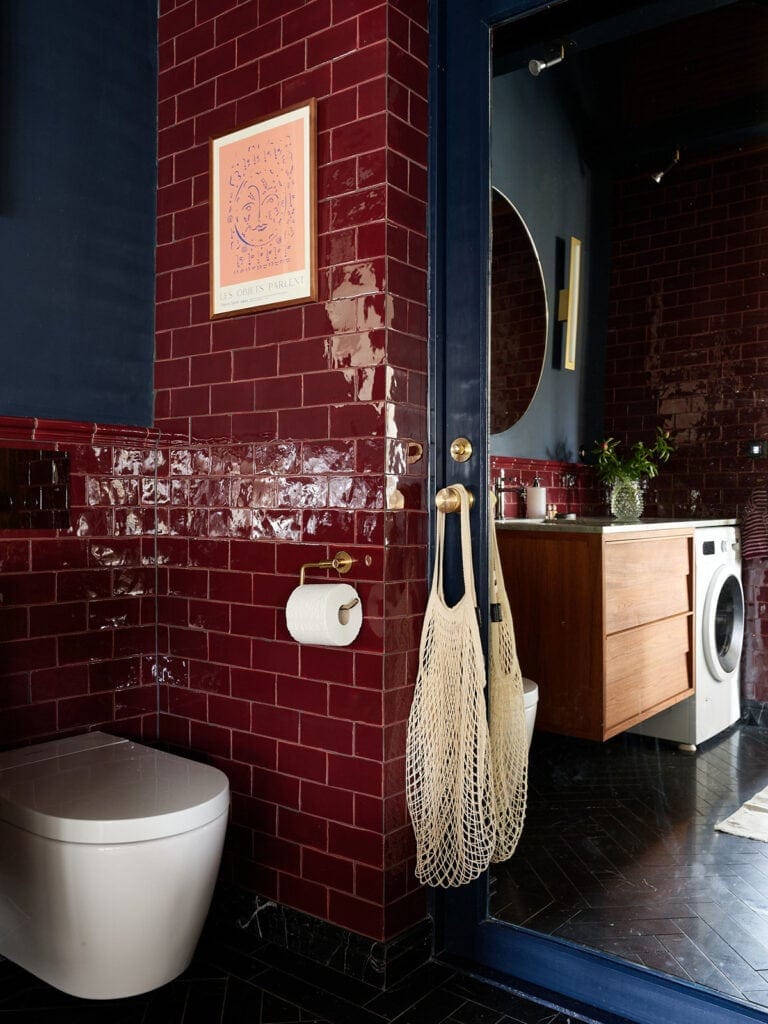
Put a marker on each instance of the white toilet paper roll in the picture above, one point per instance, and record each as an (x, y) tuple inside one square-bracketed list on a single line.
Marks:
[(535, 502), (324, 613)]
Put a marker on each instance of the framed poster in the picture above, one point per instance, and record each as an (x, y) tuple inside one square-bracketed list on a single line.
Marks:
[(264, 214)]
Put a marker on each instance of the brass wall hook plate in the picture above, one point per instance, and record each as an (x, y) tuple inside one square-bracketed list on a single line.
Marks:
[(461, 449)]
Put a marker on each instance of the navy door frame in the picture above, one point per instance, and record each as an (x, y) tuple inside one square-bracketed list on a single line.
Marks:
[(459, 236)]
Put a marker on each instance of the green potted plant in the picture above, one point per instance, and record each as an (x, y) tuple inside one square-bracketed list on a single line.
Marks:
[(623, 474)]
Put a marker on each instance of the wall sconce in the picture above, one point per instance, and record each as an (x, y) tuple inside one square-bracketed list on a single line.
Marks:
[(568, 306), (674, 162), (537, 66)]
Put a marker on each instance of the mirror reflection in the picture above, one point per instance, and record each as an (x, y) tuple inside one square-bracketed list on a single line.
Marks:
[(647, 133), (518, 316)]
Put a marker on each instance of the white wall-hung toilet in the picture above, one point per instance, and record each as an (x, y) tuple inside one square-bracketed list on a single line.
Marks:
[(530, 700), (109, 852)]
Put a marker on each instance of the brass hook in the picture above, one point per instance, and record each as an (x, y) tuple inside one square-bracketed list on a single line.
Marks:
[(342, 563), (448, 499)]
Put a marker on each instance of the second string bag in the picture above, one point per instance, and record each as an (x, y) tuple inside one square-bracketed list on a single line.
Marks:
[(509, 746)]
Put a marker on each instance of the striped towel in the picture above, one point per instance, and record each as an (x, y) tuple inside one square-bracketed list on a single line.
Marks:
[(754, 530)]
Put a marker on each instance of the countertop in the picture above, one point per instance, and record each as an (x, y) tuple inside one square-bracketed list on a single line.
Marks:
[(597, 524)]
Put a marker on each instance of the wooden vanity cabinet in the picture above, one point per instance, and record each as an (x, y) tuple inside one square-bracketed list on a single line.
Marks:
[(603, 623)]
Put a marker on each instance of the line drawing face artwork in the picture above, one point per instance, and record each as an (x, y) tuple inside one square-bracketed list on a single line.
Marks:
[(263, 226), (262, 214)]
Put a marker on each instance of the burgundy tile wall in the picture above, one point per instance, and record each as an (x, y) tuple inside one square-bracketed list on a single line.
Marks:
[(297, 423), (570, 486), (687, 343), (77, 619)]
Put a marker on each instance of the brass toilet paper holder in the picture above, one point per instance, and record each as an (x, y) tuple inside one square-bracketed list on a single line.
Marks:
[(342, 563)]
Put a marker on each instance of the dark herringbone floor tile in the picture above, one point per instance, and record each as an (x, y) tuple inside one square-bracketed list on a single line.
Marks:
[(619, 854)]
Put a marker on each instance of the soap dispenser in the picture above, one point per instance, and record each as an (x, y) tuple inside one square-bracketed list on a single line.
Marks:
[(535, 500)]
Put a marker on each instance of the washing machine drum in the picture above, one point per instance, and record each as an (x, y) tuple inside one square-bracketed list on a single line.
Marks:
[(723, 624)]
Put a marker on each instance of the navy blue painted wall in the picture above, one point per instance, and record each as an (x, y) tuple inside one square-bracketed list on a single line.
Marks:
[(78, 81), (538, 165)]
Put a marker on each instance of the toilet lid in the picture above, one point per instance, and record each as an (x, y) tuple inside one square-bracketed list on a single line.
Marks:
[(98, 788)]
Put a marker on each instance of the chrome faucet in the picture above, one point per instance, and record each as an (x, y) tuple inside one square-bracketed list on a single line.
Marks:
[(500, 490)]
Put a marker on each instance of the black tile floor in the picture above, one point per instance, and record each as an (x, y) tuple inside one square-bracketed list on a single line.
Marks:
[(619, 854), (238, 979)]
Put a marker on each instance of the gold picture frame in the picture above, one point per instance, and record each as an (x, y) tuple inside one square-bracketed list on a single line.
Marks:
[(263, 213)]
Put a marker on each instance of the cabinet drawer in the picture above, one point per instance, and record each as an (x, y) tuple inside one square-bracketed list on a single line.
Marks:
[(646, 580), (647, 667)]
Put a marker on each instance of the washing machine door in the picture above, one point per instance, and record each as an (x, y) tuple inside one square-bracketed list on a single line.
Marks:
[(722, 627)]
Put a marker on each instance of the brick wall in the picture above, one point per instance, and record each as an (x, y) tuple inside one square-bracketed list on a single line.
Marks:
[(686, 347), (77, 619), (297, 423)]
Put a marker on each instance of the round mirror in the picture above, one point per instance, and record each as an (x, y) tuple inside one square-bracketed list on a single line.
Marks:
[(518, 316)]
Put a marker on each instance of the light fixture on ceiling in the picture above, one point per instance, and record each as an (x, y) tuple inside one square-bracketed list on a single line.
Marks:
[(675, 160), (537, 66)]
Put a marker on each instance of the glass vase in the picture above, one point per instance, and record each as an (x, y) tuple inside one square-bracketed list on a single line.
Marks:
[(626, 500)]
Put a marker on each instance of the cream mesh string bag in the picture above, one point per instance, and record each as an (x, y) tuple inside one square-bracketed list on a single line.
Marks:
[(509, 746), (449, 787)]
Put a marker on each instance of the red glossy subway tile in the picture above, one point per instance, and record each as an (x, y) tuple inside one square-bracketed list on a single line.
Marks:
[(256, 364), (356, 774), (135, 701), (335, 872), (326, 733), (27, 588), (369, 885), (254, 750), (208, 615), (302, 694), (189, 643), (259, 815), (203, 675), (277, 853), (253, 621), (307, 20), (336, 527), (287, 62), (75, 712), (315, 82), (239, 776), (275, 787), (229, 712), (355, 843), (360, 136), (56, 683), (258, 42), (215, 61), (27, 722), (211, 739), (280, 723), (305, 829), (276, 393), (230, 650), (252, 684), (136, 639), (333, 804), (359, 66), (369, 814), (369, 741), (303, 762), (15, 690)]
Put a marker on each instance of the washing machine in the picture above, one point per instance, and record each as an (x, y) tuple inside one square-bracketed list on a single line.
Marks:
[(719, 636)]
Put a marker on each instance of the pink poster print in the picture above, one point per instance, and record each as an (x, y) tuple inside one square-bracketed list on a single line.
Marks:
[(262, 214)]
